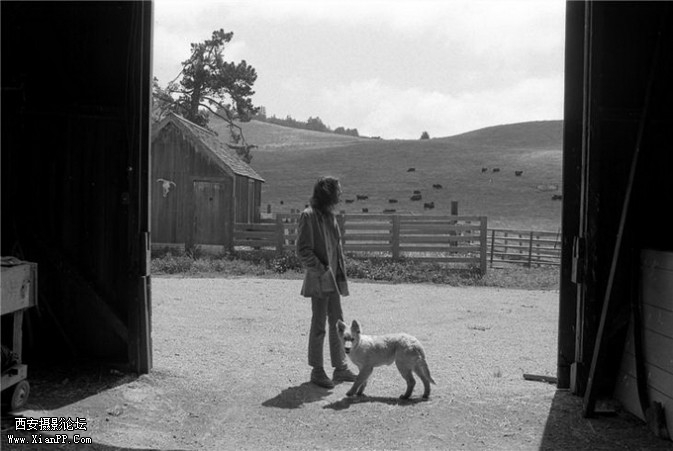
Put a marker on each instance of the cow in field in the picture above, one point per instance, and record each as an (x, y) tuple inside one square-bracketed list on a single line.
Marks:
[(389, 210), (556, 197), (437, 186), (392, 201), (417, 191), (429, 205), (361, 197), (365, 210), (518, 173), (484, 170), (349, 201), (411, 170), (496, 169), (416, 197)]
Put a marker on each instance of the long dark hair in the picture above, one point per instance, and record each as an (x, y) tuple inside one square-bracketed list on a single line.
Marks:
[(325, 194)]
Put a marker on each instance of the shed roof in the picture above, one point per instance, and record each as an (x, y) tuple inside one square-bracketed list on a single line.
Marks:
[(209, 143)]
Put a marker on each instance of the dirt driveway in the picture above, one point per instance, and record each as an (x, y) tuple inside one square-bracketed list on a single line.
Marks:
[(230, 372)]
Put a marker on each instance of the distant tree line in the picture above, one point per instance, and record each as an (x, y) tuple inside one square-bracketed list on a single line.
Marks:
[(312, 123)]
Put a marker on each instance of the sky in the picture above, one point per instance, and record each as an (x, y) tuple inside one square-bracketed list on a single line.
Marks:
[(389, 68)]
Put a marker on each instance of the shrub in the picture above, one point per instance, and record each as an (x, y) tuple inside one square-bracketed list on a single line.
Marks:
[(381, 269), (288, 261), (169, 264)]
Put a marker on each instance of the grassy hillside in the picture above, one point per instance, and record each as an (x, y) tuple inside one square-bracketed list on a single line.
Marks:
[(529, 135), (270, 137), (380, 169)]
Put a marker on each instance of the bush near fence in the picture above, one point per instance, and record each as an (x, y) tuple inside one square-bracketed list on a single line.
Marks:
[(446, 239)]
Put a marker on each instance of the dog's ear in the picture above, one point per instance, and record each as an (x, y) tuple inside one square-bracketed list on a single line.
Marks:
[(355, 327), (341, 326)]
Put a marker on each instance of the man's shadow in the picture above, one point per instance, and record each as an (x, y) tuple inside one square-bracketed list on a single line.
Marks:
[(345, 403), (294, 397)]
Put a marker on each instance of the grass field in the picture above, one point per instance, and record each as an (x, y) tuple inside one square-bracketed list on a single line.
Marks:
[(290, 161)]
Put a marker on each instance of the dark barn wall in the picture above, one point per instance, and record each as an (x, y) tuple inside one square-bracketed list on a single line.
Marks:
[(75, 153), (618, 111)]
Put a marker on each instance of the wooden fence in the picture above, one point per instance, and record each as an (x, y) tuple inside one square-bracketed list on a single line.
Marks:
[(527, 248), (448, 239)]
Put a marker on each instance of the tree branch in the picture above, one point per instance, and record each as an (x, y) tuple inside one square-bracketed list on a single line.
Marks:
[(229, 121)]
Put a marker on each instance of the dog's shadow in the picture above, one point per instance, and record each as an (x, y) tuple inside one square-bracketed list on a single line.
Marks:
[(346, 402), (295, 397)]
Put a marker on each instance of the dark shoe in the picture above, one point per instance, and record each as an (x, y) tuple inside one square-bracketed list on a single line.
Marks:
[(343, 375), (319, 378)]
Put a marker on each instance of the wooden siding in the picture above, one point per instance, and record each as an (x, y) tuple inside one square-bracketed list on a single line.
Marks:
[(257, 217), (241, 213), (657, 338), (248, 200)]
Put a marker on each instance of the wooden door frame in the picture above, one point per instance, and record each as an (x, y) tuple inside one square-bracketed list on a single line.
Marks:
[(139, 172)]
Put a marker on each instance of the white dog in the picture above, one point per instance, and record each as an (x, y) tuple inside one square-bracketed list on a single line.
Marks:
[(367, 352)]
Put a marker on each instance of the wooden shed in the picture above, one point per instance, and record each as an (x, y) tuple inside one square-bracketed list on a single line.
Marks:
[(200, 187)]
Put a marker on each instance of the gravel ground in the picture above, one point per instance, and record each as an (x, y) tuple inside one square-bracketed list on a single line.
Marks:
[(230, 372)]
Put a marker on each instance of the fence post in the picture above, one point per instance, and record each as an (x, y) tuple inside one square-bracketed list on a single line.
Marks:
[(483, 239), (280, 234), (454, 212), (492, 245), (396, 237), (530, 250), (504, 256), (520, 243), (291, 221)]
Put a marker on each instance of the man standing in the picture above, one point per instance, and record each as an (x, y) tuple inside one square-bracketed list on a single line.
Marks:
[(320, 251)]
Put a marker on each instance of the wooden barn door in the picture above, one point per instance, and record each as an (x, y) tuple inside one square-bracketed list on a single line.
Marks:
[(212, 212)]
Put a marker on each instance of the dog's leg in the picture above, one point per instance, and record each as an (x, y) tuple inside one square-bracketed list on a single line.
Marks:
[(409, 377), (360, 381), (421, 369)]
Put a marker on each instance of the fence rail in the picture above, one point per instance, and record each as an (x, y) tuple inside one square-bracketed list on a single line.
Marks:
[(528, 248), (452, 239), (448, 239)]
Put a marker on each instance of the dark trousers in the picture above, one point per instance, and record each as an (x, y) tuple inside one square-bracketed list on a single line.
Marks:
[(325, 308)]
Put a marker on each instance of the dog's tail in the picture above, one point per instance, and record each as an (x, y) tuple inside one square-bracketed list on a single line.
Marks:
[(422, 368)]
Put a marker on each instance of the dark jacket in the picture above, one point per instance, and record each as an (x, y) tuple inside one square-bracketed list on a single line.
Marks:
[(312, 252)]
